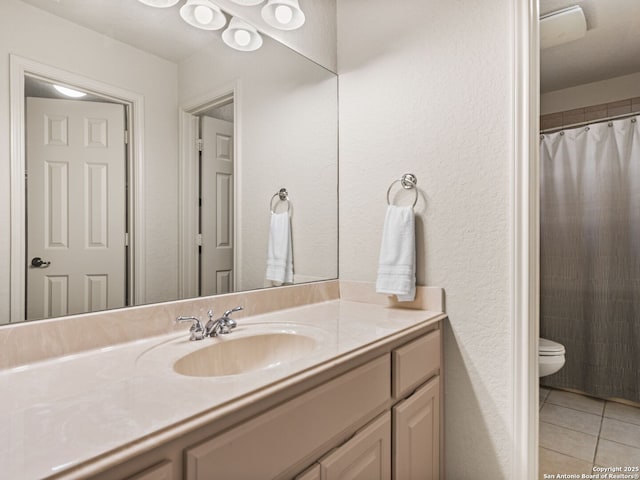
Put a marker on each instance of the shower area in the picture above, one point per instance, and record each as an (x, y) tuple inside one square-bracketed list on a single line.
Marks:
[(590, 256)]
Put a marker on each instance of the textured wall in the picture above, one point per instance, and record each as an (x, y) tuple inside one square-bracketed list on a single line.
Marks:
[(425, 87), (606, 91), (36, 35)]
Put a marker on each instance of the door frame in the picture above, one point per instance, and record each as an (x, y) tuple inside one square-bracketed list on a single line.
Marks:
[(525, 256), (188, 224), (19, 68)]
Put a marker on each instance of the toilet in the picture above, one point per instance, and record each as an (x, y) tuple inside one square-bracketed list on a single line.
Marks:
[(550, 357)]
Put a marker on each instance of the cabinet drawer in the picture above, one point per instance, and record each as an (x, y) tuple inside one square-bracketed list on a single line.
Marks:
[(276, 440), (415, 362)]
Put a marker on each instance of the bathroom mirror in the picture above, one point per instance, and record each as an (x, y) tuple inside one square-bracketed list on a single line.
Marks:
[(274, 117)]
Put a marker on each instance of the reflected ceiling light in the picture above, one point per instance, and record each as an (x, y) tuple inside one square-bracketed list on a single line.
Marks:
[(159, 3), (203, 14), (283, 14), (69, 92), (562, 26), (241, 36), (248, 3)]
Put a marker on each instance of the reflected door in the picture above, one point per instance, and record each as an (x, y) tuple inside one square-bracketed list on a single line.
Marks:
[(76, 207), (216, 207)]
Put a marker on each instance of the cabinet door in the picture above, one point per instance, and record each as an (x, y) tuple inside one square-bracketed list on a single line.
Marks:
[(416, 434), (312, 473), (366, 456)]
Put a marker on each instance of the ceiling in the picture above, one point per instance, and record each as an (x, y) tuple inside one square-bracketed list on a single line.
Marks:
[(611, 47), (159, 31)]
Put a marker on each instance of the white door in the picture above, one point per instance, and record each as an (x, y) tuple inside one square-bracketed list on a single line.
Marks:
[(76, 207), (216, 208)]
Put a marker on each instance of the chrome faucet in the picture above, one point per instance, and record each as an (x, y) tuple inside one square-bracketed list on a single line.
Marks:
[(222, 325), (213, 328), (196, 330)]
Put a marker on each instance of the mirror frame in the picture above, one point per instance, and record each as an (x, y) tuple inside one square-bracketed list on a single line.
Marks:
[(19, 68)]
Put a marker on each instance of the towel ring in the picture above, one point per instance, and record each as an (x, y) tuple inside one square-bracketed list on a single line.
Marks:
[(283, 195), (408, 182)]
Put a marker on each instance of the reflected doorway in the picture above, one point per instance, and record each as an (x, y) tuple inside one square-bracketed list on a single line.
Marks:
[(216, 200), (209, 213), (76, 182)]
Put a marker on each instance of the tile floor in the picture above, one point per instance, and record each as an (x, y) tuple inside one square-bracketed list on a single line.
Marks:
[(579, 432)]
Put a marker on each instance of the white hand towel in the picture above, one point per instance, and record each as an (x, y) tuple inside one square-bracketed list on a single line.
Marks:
[(397, 264), (279, 253)]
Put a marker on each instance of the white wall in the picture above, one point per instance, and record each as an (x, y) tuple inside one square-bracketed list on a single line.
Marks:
[(426, 88), (36, 35), (595, 93), (287, 119), (315, 40)]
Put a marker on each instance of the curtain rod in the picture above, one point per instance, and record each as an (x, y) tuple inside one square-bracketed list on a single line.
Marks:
[(590, 122)]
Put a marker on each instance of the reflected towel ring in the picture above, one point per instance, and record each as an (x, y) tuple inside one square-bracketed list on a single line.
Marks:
[(408, 182), (283, 195)]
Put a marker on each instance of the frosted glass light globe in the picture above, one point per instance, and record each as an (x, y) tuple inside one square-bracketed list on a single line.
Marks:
[(283, 14), (203, 15), (242, 37)]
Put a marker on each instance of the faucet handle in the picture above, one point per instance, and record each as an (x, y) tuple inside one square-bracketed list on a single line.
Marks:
[(228, 323), (229, 312), (196, 330)]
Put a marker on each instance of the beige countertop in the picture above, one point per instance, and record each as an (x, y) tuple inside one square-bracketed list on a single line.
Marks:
[(66, 411)]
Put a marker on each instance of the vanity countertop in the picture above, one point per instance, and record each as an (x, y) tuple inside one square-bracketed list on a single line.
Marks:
[(61, 413)]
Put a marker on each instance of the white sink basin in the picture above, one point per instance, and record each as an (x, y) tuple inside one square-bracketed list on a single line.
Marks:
[(232, 356)]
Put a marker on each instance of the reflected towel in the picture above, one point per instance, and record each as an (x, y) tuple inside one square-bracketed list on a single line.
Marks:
[(397, 264), (279, 252)]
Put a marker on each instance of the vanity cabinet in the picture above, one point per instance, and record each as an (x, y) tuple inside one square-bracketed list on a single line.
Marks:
[(403, 384), (411, 429), (377, 421)]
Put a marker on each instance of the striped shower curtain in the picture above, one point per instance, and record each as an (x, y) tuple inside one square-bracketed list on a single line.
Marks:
[(590, 256)]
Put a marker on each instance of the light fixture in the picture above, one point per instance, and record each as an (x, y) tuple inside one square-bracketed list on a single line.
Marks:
[(241, 36), (562, 26), (248, 3), (159, 3), (69, 92), (283, 14), (203, 14)]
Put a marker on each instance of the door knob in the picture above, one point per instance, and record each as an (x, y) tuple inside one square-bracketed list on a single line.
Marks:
[(37, 262)]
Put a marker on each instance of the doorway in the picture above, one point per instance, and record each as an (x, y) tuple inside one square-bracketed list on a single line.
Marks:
[(589, 415), (216, 204), (131, 235), (209, 243)]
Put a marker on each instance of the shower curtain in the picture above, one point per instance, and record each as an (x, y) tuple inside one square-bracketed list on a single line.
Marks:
[(590, 256)]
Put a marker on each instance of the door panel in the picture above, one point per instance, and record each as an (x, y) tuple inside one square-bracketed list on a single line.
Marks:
[(417, 435), (76, 207), (216, 224), (366, 456)]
